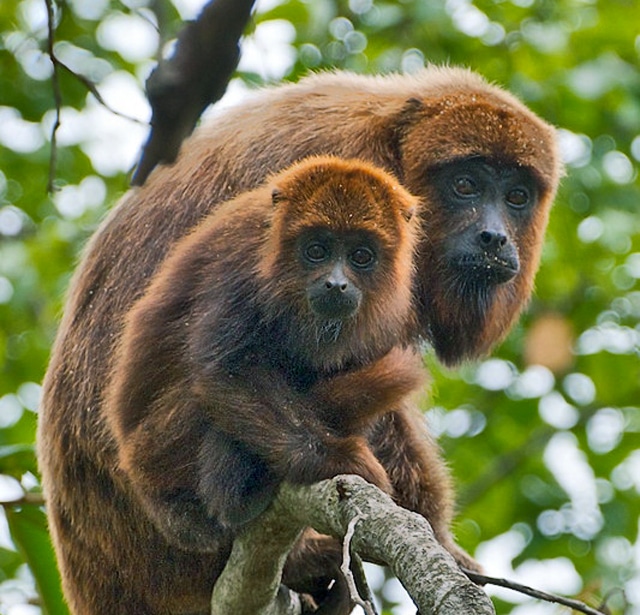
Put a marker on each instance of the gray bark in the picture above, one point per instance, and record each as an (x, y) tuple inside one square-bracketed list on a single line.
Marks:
[(250, 583)]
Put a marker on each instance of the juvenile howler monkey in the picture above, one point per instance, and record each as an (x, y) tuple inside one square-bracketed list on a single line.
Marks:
[(485, 169), (264, 347)]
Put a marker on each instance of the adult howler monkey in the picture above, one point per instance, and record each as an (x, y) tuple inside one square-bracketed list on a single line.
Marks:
[(486, 170)]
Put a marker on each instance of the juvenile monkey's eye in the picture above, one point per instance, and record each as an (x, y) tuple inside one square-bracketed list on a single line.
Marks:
[(362, 258), (316, 252), (463, 185), (518, 197)]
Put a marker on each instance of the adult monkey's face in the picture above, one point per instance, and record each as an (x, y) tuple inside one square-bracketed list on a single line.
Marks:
[(487, 170)]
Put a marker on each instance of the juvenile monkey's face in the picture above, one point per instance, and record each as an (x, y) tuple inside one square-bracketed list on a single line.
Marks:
[(338, 270), (339, 298), (337, 267)]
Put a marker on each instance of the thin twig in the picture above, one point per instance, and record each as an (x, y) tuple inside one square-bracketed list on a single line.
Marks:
[(345, 567), (57, 96), (30, 498), (93, 90), (361, 581), (576, 605)]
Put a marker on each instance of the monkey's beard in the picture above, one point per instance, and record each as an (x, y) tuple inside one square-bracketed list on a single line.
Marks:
[(328, 332), (466, 314), (315, 343)]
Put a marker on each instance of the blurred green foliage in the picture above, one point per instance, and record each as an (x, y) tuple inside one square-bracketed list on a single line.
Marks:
[(543, 438)]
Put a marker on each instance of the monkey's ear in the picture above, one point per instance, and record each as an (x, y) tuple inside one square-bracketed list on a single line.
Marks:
[(277, 196), (413, 104), (410, 209), (393, 134), (409, 212)]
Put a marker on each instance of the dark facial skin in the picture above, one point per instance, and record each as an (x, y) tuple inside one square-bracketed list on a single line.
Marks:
[(335, 264), (478, 229), (492, 203)]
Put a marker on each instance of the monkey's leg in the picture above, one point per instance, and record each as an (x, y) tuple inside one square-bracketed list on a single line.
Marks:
[(419, 476), (313, 568)]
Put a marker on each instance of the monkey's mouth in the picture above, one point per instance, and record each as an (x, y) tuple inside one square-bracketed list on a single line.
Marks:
[(333, 305), (488, 268)]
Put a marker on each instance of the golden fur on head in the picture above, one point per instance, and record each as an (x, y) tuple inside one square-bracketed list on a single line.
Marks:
[(345, 197), (342, 195), (479, 124), (339, 194)]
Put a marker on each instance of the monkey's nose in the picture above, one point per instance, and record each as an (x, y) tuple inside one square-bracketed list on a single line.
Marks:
[(490, 239), (336, 285), (337, 280)]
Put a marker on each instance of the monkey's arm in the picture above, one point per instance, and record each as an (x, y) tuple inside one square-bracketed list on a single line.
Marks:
[(205, 447), (263, 432), (420, 478), (205, 422), (351, 400)]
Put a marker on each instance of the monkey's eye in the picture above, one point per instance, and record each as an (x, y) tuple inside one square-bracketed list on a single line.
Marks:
[(518, 198), (316, 253), (465, 186), (362, 258)]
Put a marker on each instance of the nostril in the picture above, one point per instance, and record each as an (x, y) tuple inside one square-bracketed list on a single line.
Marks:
[(486, 237), (492, 239), (330, 284)]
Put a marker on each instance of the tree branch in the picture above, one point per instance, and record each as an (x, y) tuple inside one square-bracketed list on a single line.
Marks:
[(27, 498), (385, 532), (576, 605), (250, 582), (196, 75)]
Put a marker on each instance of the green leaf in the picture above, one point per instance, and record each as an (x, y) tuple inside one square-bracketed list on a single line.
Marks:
[(28, 527), (15, 459)]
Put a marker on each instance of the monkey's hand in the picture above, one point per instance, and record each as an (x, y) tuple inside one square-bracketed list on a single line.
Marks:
[(235, 484), (333, 455), (351, 400)]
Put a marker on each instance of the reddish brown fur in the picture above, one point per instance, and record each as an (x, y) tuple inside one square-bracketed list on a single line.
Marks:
[(222, 348), (404, 124), (463, 125)]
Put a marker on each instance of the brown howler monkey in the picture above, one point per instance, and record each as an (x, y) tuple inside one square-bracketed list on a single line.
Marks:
[(265, 346), (444, 120), (486, 170), (263, 349)]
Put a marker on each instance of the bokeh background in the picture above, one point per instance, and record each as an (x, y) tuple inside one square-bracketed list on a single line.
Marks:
[(543, 437)]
